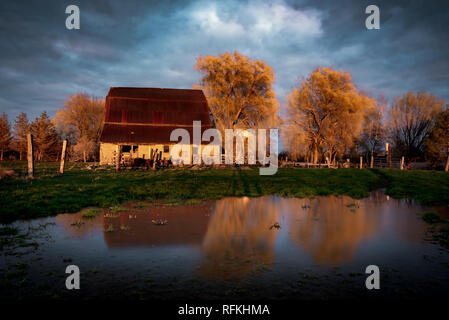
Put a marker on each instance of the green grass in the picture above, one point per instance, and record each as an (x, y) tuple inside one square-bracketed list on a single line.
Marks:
[(192, 202), (50, 193), (141, 205), (352, 205), (427, 186), (91, 213), (118, 209), (8, 231), (432, 217), (442, 236)]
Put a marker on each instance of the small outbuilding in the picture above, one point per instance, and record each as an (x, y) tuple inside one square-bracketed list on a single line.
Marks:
[(140, 121)]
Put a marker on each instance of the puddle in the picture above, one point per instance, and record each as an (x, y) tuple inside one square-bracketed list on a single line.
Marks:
[(270, 247)]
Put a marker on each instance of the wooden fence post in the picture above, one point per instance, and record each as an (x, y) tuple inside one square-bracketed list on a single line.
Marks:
[(154, 159), (361, 162), (389, 155), (118, 158), (447, 163), (63, 153), (30, 155)]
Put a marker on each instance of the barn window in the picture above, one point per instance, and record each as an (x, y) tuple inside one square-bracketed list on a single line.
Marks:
[(126, 148), (166, 149), (135, 148)]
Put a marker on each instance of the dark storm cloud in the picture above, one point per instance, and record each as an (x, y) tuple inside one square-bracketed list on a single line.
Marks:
[(141, 43), (408, 53)]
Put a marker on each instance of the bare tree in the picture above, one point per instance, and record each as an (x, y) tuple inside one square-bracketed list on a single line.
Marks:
[(437, 142), (372, 138), (410, 120), (84, 149), (81, 116)]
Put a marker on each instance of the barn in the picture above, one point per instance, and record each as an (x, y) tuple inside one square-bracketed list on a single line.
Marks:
[(140, 120)]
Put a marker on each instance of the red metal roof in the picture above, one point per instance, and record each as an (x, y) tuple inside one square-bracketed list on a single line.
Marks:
[(148, 115), (138, 134)]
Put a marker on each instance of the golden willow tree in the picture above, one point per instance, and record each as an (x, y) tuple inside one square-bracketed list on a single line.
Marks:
[(372, 138), (411, 118), (326, 113), (238, 90)]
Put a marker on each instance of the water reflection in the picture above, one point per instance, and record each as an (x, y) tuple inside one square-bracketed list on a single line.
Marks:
[(238, 238), (330, 229), (233, 237), (186, 226)]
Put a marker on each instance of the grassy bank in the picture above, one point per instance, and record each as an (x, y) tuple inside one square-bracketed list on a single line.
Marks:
[(50, 193), (426, 186)]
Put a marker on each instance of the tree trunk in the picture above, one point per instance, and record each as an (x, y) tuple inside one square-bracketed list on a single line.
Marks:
[(315, 154), (84, 156), (30, 155), (447, 164), (63, 154), (20, 155), (1, 157), (372, 160)]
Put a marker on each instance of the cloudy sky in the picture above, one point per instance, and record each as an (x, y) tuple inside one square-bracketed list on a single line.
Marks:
[(155, 44)]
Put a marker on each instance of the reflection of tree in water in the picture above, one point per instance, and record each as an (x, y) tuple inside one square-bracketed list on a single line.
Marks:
[(238, 239), (332, 228), (404, 216)]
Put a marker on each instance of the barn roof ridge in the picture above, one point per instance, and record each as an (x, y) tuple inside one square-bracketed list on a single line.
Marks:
[(125, 90)]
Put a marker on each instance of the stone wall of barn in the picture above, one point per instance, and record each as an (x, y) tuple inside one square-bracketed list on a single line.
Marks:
[(108, 151)]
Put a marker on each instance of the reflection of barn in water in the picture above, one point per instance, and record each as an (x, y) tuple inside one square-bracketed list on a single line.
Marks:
[(187, 225)]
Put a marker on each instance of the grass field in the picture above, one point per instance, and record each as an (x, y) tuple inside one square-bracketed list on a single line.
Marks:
[(50, 193)]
